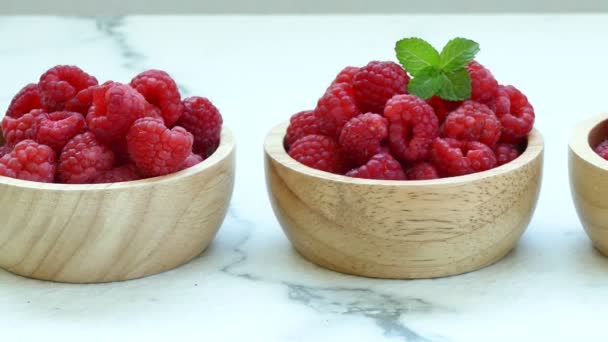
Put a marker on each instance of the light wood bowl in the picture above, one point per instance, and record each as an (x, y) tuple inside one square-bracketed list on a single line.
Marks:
[(403, 229), (109, 232), (589, 179)]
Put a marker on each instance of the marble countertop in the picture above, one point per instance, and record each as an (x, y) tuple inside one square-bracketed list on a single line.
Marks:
[(250, 285)]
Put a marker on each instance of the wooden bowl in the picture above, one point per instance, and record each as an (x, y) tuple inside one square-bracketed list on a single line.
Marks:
[(589, 179), (108, 232), (403, 229)]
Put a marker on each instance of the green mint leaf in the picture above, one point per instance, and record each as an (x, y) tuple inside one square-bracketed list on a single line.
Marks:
[(457, 53), (428, 82), (456, 85), (416, 55)]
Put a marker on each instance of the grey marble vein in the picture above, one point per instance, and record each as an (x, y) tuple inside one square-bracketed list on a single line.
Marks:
[(384, 310), (134, 60)]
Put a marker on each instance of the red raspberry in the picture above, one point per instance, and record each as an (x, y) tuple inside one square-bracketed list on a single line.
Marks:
[(362, 136), (204, 121), (61, 83), (156, 149), (442, 107), (422, 171), (335, 108), (500, 102), (23, 127), (192, 160), (83, 159), (118, 174), (300, 125), (25, 101), (473, 121), (412, 127), (58, 128), (160, 90), (319, 152), (346, 75), (81, 103), (452, 157), (505, 153), (115, 107), (5, 149), (483, 83), (29, 161), (519, 120), (602, 149), (377, 82), (380, 166)]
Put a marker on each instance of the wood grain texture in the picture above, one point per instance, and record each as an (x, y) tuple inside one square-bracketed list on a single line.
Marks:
[(589, 179), (108, 232), (397, 229)]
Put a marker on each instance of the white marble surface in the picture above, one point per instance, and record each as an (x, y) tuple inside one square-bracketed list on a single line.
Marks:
[(250, 285)]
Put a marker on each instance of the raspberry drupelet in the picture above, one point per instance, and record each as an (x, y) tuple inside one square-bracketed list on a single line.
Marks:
[(453, 157), (319, 152), (377, 82), (473, 121), (381, 166), (412, 127), (362, 136), (335, 108)]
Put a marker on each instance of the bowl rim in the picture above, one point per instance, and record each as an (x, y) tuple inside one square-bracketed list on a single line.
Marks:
[(274, 148), (579, 140), (225, 148)]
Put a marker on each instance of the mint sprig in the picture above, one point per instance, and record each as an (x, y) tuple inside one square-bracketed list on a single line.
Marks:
[(437, 74)]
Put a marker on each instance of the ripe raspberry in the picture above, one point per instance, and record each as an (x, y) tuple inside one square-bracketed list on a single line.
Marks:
[(473, 121), (380, 166), (505, 153), (362, 136), (23, 127), (442, 107), (346, 75), (335, 108), (118, 174), (25, 101), (81, 103), (204, 121), (602, 149), (156, 149), (58, 128), (160, 90), (519, 120), (83, 159), (377, 82), (319, 152), (115, 107), (192, 160), (483, 83), (61, 83), (29, 161), (412, 127), (5, 149), (500, 102), (452, 157), (422, 171), (300, 125)]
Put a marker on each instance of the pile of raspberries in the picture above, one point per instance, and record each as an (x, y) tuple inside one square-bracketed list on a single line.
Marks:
[(67, 128), (366, 125)]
